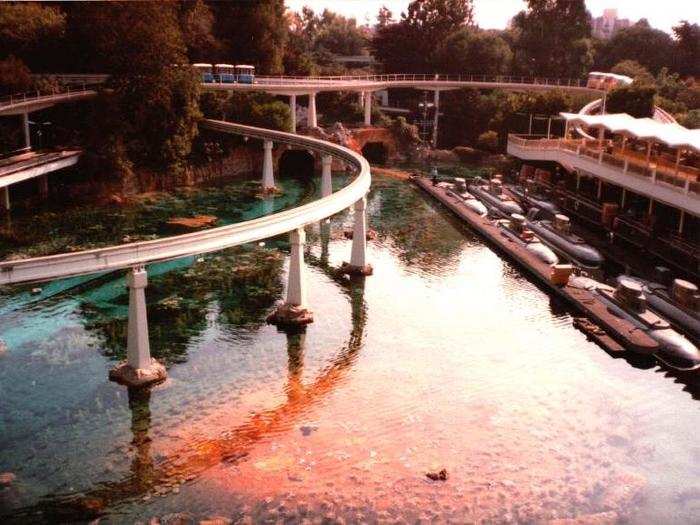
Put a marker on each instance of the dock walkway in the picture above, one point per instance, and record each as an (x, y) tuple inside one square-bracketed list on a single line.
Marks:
[(622, 331)]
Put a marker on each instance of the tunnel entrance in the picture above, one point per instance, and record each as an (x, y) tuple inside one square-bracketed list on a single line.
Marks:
[(375, 152), (297, 163)]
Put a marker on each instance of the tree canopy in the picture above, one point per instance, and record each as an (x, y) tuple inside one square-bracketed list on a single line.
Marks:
[(412, 45), (652, 48), (553, 38)]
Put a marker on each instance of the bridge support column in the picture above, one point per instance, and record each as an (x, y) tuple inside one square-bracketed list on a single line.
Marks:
[(368, 108), (358, 257), (326, 179), (268, 176), (294, 311), (293, 111), (25, 127), (139, 369), (5, 202), (436, 104), (311, 114), (361, 98)]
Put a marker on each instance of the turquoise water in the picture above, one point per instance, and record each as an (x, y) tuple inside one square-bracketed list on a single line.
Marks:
[(55, 230), (447, 357)]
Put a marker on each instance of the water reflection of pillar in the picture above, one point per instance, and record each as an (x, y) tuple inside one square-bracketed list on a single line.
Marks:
[(325, 230), (295, 356), (142, 463), (268, 205), (359, 311)]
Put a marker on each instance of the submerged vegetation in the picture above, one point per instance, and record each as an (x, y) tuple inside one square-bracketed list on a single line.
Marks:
[(56, 230), (235, 288)]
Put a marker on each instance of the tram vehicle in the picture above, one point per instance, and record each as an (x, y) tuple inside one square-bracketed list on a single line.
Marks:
[(606, 81), (206, 70), (225, 73), (244, 74)]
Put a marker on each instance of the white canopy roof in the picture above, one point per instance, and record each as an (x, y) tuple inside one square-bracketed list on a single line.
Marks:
[(673, 135)]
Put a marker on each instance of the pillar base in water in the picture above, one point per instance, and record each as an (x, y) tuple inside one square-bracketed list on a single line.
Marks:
[(125, 374), (290, 315), (350, 269), (269, 192)]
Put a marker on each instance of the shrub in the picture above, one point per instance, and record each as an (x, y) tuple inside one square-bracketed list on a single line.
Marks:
[(635, 100), (488, 141), (691, 120), (467, 154), (15, 77)]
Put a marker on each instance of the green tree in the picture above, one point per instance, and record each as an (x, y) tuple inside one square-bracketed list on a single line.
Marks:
[(340, 35), (634, 70), (687, 48), (258, 109), (149, 111), (412, 44), (252, 32), (15, 76), (636, 100), (552, 38), (469, 50), (197, 24), (650, 47), (691, 120), (29, 31)]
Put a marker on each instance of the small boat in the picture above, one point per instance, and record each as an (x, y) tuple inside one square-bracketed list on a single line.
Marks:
[(491, 194), (629, 302), (529, 197), (515, 229), (557, 235), (679, 303)]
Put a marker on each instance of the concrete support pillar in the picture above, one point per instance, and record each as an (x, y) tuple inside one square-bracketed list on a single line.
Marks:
[(311, 115), (43, 186), (651, 207), (293, 312), (359, 234), (25, 126), (268, 177), (5, 202), (600, 189), (361, 98), (326, 179), (624, 199), (436, 102), (293, 111), (139, 369), (358, 257), (680, 222), (138, 349), (296, 287), (368, 108)]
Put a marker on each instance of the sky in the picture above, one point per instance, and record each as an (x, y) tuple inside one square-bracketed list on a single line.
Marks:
[(495, 14)]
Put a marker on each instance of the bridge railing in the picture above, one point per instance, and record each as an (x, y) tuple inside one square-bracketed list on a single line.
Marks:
[(410, 77), (683, 178), (214, 239), (37, 95)]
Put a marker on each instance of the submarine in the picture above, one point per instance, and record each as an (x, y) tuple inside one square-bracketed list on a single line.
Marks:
[(557, 235)]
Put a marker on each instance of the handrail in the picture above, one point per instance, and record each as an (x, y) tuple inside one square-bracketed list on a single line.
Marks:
[(685, 179), (39, 96), (139, 253), (90, 82)]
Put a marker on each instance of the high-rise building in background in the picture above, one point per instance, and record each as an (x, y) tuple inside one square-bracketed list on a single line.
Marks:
[(607, 25)]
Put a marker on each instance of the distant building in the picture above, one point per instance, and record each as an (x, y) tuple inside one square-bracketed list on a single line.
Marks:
[(606, 26)]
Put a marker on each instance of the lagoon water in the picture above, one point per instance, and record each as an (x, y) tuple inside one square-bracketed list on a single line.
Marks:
[(448, 357)]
